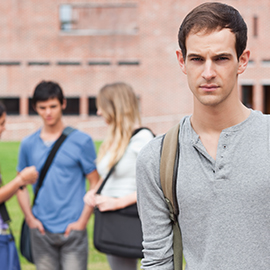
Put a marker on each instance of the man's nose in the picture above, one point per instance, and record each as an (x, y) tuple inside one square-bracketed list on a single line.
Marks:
[(209, 71), (48, 111)]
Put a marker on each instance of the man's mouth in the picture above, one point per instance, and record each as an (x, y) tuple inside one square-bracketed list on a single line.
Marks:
[(209, 87)]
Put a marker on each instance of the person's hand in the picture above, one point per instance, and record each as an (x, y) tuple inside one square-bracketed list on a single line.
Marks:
[(75, 226), (89, 198), (29, 175), (34, 223), (105, 203)]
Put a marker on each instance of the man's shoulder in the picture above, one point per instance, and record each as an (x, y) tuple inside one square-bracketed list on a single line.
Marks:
[(151, 150), (31, 138), (79, 137)]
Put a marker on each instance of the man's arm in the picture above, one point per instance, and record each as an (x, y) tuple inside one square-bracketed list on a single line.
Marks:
[(153, 211), (24, 202), (81, 223)]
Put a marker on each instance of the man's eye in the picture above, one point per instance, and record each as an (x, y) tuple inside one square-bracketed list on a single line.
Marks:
[(196, 59), (222, 58)]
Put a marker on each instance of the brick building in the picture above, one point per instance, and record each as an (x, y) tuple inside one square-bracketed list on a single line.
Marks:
[(83, 44)]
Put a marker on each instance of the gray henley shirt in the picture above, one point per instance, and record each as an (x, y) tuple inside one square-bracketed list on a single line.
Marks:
[(224, 203)]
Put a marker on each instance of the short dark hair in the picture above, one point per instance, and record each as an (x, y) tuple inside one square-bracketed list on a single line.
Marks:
[(2, 109), (211, 16), (47, 90)]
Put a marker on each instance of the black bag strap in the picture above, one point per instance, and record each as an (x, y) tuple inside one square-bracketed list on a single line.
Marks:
[(168, 177), (3, 210), (50, 158), (105, 179), (141, 128), (4, 213), (113, 167)]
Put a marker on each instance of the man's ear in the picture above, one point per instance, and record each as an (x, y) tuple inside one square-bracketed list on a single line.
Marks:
[(181, 61), (243, 61), (64, 105)]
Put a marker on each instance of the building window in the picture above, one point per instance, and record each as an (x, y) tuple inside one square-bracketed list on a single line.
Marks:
[(68, 63), (12, 105), (266, 90), (10, 63), (99, 19), (73, 106), (247, 95), (38, 63), (99, 63), (92, 108), (128, 63), (65, 16), (265, 62)]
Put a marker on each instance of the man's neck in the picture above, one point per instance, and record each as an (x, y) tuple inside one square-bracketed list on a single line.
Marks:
[(51, 133), (209, 119), (208, 122)]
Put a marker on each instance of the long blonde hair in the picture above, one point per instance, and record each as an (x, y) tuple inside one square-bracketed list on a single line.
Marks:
[(119, 106)]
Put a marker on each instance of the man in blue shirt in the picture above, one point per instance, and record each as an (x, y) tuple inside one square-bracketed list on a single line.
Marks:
[(59, 217)]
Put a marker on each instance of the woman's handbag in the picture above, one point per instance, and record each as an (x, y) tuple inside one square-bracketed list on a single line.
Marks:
[(8, 253), (118, 232), (9, 259)]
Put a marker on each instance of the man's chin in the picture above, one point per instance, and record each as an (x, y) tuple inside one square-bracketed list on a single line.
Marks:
[(50, 123)]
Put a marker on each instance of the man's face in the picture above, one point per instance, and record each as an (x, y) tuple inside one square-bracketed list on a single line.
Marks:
[(2, 123), (50, 111), (212, 67)]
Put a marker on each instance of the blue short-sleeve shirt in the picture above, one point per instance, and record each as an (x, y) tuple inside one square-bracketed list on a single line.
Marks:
[(60, 198)]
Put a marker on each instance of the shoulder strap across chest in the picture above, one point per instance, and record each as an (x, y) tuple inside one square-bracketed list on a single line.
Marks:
[(168, 177)]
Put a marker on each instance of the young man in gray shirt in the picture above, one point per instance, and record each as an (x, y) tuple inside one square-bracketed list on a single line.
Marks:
[(223, 182)]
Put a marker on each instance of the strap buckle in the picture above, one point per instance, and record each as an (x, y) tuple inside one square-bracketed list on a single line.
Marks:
[(172, 215)]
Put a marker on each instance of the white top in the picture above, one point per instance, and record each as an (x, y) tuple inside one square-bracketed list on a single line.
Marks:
[(122, 181)]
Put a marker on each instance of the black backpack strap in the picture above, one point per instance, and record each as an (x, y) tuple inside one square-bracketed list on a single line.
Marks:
[(50, 158), (168, 177)]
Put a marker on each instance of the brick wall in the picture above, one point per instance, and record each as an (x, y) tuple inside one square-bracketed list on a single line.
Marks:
[(33, 48)]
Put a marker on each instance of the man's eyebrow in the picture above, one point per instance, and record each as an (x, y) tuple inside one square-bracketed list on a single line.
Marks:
[(223, 55), (193, 55)]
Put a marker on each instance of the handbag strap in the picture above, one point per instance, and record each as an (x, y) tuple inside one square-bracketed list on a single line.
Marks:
[(4, 213), (141, 128), (105, 179), (6, 218), (113, 167), (50, 158)]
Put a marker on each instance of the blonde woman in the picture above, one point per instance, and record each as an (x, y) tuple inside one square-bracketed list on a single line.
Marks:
[(118, 105)]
